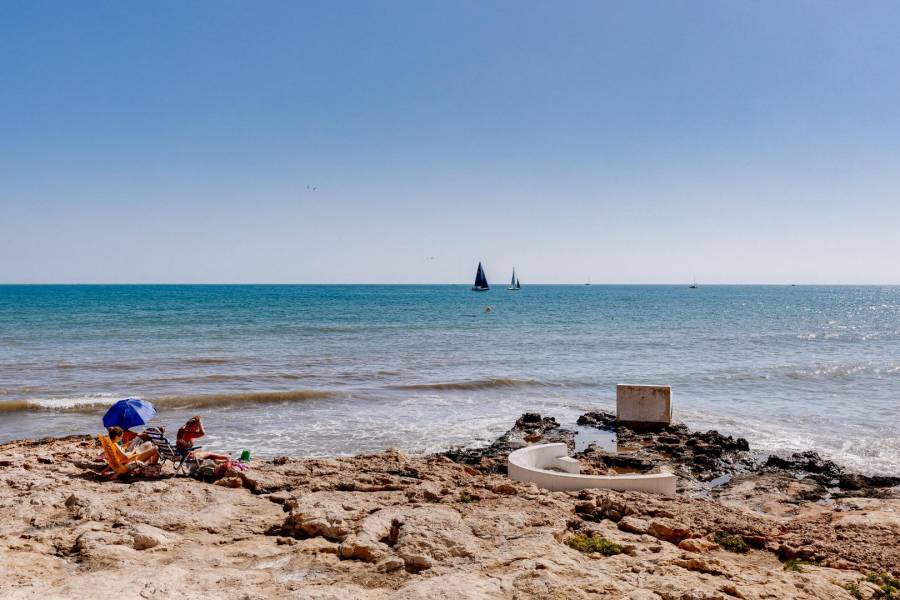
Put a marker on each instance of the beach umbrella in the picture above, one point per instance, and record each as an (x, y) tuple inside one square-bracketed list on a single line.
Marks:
[(129, 412)]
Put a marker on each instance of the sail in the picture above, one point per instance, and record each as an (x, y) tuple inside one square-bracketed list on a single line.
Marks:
[(512, 282), (518, 285), (480, 279)]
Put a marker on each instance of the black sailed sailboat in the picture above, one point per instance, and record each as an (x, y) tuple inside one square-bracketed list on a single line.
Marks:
[(481, 284), (514, 282)]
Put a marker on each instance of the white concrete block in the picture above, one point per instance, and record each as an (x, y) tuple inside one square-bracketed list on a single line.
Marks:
[(533, 464), (650, 404), (567, 464)]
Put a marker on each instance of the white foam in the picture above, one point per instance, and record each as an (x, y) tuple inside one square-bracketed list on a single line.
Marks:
[(73, 402)]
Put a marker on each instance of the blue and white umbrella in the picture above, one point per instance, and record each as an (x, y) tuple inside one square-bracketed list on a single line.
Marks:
[(128, 413)]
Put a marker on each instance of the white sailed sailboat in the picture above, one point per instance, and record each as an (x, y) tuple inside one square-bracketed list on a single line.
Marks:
[(514, 284)]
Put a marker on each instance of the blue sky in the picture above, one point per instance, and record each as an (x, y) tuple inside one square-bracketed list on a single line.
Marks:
[(743, 142)]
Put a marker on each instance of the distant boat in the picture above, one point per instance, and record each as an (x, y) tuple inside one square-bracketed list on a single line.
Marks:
[(588, 281), (481, 284), (514, 282), (693, 286)]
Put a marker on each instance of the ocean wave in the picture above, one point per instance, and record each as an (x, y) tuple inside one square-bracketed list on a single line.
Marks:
[(475, 384), (208, 361), (94, 366), (94, 403), (216, 400), (78, 403)]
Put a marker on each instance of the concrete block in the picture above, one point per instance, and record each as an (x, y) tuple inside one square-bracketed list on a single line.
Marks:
[(644, 404), (545, 465)]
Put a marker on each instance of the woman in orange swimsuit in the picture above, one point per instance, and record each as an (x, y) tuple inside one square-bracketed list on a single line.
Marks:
[(184, 440)]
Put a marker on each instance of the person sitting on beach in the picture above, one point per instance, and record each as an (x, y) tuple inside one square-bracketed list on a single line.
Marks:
[(136, 448), (120, 436), (184, 440)]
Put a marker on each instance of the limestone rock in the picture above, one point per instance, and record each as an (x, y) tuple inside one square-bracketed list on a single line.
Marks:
[(146, 536), (634, 525), (505, 488), (711, 566), (318, 515), (392, 563), (698, 545), (668, 530), (433, 533)]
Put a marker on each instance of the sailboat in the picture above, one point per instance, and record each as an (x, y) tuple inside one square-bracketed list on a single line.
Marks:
[(481, 284), (693, 286), (514, 284)]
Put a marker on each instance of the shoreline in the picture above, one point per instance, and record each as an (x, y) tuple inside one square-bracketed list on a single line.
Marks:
[(449, 525)]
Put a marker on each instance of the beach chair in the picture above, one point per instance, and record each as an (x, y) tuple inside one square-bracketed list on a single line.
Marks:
[(168, 452), (118, 463)]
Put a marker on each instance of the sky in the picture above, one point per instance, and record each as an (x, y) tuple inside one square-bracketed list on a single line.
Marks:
[(402, 142)]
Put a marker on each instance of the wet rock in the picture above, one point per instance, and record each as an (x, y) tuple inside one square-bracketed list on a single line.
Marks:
[(492, 459), (624, 461), (855, 481), (600, 420), (809, 462), (45, 460)]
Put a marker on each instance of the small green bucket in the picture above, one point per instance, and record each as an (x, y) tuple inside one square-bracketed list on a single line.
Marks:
[(245, 456)]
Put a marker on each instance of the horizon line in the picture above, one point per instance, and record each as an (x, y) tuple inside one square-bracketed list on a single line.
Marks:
[(501, 286)]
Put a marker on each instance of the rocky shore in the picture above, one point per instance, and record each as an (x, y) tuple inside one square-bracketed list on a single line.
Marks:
[(452, 525)]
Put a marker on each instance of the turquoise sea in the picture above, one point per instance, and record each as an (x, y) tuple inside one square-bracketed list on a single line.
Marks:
[(323, 370)]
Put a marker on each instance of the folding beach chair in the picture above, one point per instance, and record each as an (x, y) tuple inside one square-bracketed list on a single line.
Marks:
[(118, 462), (167, 451)]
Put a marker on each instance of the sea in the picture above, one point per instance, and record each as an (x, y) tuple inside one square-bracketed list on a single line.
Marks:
[(320, 370)]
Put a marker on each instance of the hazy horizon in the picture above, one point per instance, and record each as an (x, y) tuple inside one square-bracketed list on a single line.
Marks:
[(646, 143)]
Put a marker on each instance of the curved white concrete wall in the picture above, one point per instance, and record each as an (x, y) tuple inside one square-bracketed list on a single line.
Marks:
[(532, 463)]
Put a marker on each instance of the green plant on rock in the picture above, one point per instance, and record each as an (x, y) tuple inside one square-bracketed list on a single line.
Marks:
[(731, 542), (593, 543), (795, 564), (888, 584), (853, 589), (467, 498)]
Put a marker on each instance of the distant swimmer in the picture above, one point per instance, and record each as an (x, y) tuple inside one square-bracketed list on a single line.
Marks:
[(488, 309)]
